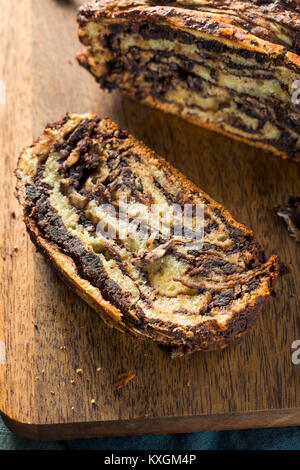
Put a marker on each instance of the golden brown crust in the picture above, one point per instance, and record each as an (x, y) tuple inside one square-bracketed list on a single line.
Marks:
[(211, 334)]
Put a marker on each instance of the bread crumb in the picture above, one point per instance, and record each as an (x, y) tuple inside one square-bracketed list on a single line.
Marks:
[(93, 401), (72, 381), (52, 393), (123, 380), (79, 371), (98, 369)]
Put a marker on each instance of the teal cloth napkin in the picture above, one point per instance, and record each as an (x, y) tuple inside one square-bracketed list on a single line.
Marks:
[(252, 439)]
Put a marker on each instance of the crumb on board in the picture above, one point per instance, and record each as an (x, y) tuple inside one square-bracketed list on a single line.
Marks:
[(93, 401), (15, 250), (13, 214), (79, 371), (52, 392), (98, 369), (122, 381), (72, 381)]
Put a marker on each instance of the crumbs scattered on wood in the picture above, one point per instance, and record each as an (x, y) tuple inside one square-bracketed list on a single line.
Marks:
[(52, 393), (123, 380), (98, 369), (93, 402), (79, 371), (72, 382)]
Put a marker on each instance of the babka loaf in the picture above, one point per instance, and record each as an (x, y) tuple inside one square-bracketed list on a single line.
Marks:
[(230, 66), (200, 288)]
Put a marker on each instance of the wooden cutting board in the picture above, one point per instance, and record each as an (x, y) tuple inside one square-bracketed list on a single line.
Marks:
[(46, 332)]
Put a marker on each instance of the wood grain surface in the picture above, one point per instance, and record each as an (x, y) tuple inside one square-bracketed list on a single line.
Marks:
[(49, 332)]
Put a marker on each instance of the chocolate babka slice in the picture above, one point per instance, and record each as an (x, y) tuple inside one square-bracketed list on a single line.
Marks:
[(230, 66), (147, 249)]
